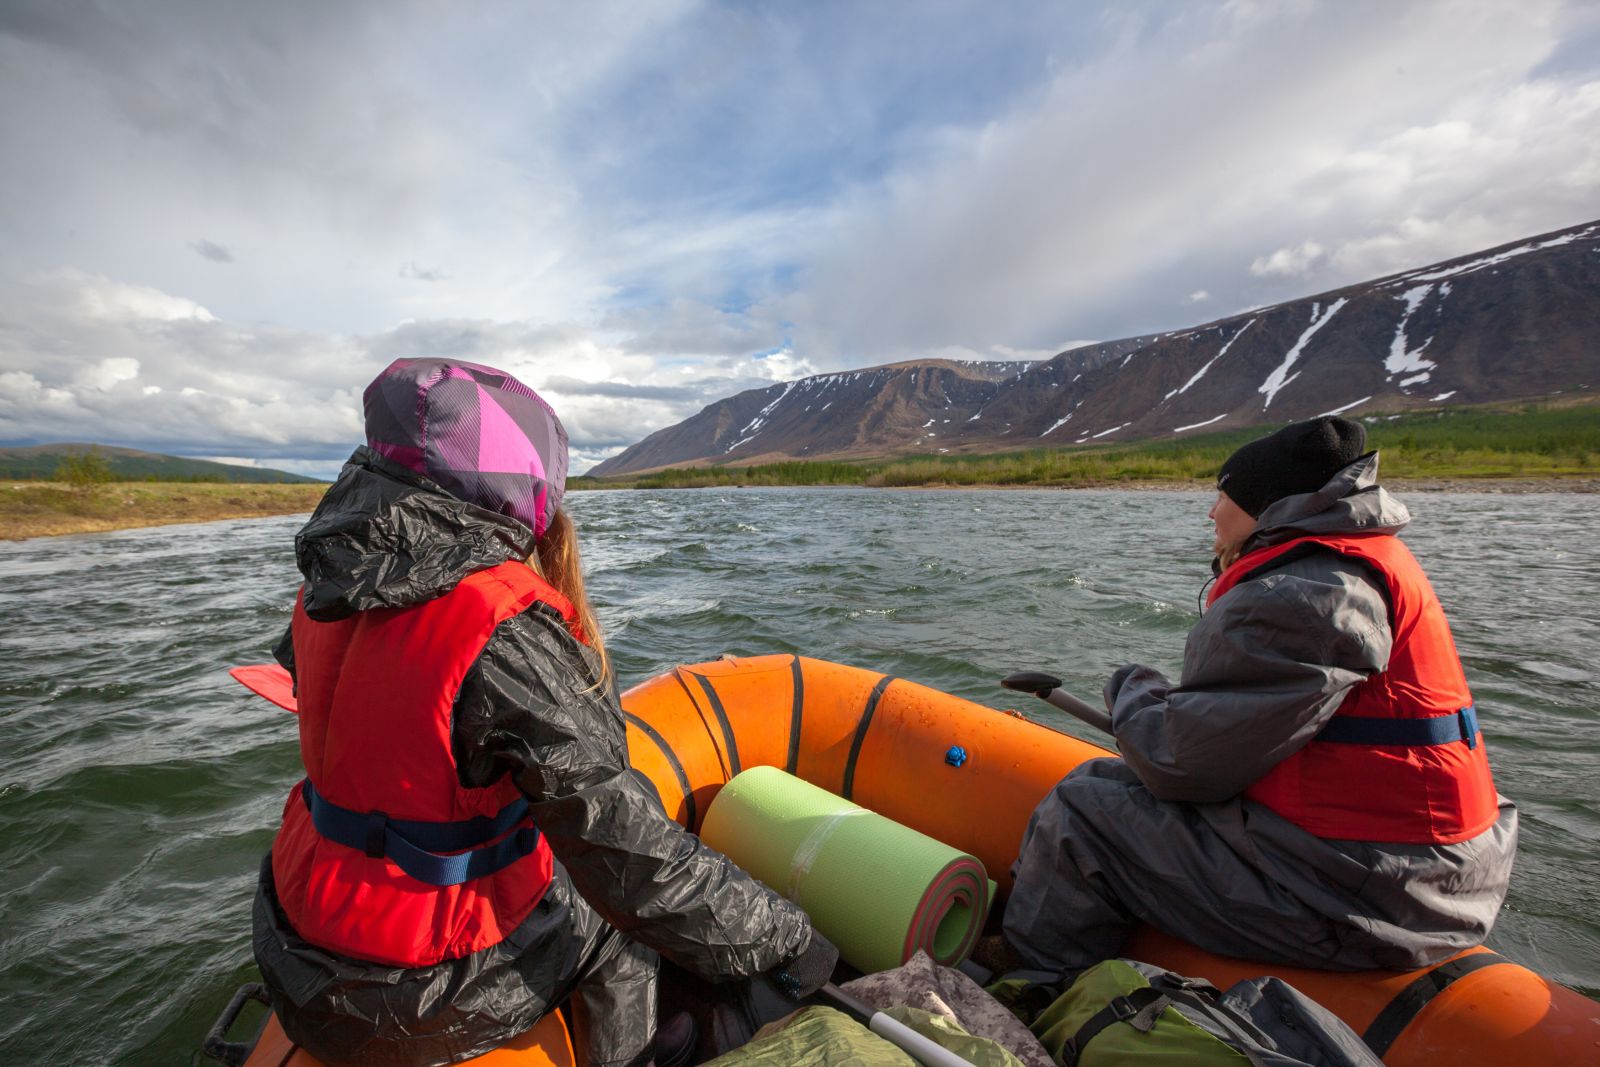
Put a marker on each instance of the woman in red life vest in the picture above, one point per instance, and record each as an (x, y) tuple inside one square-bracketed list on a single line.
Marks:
[(1314, 790), (469, 847)]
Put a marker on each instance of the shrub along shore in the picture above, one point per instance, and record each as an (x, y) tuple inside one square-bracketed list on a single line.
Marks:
[(1512, 449)]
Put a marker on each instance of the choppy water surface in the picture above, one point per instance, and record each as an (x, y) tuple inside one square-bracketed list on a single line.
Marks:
[(139, 786)]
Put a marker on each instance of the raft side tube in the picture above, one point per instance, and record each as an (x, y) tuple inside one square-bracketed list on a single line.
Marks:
[(887, 744), (548, 1044), (880, 741)]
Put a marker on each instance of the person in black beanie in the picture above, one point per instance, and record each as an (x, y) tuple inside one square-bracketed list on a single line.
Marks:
[(1314, 790), (1300, 458)]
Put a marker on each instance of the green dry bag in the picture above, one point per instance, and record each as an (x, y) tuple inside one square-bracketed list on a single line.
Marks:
[(1124, 1012), (1112, 1014)]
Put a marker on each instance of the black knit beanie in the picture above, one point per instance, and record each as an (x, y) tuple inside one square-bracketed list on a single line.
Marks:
[(1300, 458)]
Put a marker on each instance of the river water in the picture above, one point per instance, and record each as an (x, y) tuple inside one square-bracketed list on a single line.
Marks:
[(139, 786)]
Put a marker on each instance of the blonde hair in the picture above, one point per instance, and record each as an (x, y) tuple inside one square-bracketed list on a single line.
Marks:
[(1230, 554), (556, 560)]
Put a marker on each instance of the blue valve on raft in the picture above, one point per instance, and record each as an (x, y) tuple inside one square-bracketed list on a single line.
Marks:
[(956, 756)]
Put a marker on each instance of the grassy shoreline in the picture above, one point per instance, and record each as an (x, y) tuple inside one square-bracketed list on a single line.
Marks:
[(41, 509), (1512, 450)]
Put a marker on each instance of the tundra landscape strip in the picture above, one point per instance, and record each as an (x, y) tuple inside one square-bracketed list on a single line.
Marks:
[(35, 509), (1525, 449), (1559, 444)]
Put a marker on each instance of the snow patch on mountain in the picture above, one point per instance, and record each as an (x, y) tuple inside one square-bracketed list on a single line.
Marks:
[(1500, 257), (1281, 377), (1062, 421), (753, 427), (1201, 373), (1402, 359), (1197, 425), (1347, 407)]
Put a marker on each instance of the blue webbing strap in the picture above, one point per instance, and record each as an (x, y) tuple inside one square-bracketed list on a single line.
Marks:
[(415, 846), (1438, 730)]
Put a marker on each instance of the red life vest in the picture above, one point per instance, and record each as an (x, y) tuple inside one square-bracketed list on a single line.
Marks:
[(376, 692), (1402, 759)]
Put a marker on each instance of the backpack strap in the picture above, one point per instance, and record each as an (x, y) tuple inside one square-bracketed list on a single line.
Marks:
[(1246, 1037), (1139, 1009)]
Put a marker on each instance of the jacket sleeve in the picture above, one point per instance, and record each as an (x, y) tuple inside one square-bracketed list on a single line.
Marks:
[(529, 706), (1263, 671), (283, 652)]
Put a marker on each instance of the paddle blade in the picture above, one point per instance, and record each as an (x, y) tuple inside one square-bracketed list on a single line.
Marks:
[(268, 680)]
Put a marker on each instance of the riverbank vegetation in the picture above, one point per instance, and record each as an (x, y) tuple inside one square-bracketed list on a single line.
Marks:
[(1529, 447), (86, 504), (1514, 443)]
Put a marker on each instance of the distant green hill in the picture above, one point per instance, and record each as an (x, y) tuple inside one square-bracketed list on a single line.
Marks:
[(39, 462)]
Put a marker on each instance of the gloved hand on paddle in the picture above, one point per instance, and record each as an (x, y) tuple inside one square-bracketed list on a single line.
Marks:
[(806, 973)]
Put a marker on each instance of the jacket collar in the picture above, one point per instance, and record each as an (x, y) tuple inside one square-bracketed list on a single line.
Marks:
[(1351, 501), (385, 536)]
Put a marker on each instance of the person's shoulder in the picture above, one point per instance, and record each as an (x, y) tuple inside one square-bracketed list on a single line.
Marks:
[(1322, 564), (537, 641), (1312, 577)]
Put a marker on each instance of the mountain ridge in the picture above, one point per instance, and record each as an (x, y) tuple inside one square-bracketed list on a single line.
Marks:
[(1517, 321)]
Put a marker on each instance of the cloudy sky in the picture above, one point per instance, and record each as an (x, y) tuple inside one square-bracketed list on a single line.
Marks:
[(218, 220)]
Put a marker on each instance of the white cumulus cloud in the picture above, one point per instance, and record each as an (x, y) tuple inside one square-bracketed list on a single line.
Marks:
[(106, 374), (641, 208), (1290, 262)]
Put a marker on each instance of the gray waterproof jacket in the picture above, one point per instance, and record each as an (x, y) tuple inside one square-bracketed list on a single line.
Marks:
[(1268, 665), (529, 707), (1164, 836)]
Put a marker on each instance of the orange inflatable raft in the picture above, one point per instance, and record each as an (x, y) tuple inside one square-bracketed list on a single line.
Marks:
[(970, 776)]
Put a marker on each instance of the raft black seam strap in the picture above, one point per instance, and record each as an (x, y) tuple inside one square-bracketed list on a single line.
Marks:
[(729, 740), (795, 715), (677, 676), (288, 1053), (862, 726), (1407, 1004), (672, 761)]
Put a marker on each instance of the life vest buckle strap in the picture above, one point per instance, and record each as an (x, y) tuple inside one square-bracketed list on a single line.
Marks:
[(467, 842), (377, 831), (1414, 733)]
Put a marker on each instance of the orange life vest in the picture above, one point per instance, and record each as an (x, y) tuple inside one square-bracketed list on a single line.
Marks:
[(1402, 759), (376, 692)]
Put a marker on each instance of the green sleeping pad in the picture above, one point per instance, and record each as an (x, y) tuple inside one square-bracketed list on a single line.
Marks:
[(876, 889)]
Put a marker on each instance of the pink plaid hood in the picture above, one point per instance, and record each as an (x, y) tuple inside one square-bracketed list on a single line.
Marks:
[(476, 431)]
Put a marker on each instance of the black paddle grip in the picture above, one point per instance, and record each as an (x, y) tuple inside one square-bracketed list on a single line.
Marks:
[(1031, 682)]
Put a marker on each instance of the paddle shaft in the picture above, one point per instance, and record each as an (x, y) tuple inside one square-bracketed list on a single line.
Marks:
[(924, 1051), (1047, 687), (1070, 704)]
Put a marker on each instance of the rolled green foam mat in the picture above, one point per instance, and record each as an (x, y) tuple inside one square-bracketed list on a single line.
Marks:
[(876, 889)]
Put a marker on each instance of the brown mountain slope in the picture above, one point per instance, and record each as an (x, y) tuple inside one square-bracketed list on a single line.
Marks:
[(854, 413), (1514, 322)]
